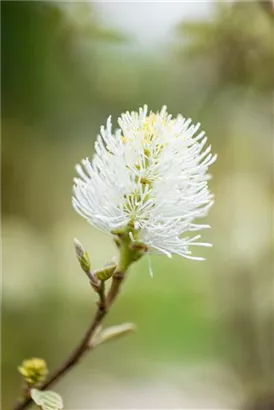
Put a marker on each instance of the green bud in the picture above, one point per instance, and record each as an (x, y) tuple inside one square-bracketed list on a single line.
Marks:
[(138, 249), (82, 256), (106, 272), (118, 231), (138, 246), (118, 241), (33, 370)]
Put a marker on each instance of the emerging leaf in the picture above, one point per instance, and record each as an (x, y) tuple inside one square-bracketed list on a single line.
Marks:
[(112, 333), (47, 400)]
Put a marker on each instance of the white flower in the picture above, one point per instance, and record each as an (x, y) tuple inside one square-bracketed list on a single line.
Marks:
[(151, 172)]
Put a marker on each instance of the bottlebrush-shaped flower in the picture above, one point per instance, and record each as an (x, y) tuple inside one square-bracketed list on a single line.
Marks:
[(150, 173)]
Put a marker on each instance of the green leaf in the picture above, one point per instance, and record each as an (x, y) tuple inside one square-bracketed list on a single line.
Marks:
[(112, 332), (47, 400)]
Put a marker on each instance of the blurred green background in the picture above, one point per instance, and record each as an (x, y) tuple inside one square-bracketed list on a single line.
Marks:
[(205, 329)]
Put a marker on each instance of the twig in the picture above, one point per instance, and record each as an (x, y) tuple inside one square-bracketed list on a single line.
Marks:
[(117, 279), (103, 307), (101, 292)]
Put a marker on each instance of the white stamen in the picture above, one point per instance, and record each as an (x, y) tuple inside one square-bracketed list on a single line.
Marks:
[(152, 171)]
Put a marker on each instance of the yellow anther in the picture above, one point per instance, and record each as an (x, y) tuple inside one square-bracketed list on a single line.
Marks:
[(146, 152), (145, 181)]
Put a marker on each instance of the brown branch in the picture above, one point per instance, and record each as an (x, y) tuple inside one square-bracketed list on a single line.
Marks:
[(102, 310), (117, 279)]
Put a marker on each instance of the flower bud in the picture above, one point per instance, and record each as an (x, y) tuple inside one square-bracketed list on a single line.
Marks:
[(33, 370), (82, 256), (106, 272), (138, 249)]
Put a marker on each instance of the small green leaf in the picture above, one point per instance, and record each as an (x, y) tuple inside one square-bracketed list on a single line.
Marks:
[(47, 400), (112, 332), (106, 272)]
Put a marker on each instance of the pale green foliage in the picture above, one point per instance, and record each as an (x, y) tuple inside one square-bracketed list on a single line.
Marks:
[(47, 400), (112, 332)]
